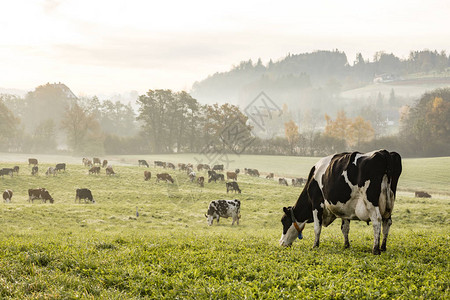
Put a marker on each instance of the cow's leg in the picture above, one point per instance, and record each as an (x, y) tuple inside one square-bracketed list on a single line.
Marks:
[(218, 217), (386, 225), (317, 226), (345, 227), (375, 217)]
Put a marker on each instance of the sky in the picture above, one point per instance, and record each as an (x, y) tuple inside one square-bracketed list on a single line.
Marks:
[(99, 47)]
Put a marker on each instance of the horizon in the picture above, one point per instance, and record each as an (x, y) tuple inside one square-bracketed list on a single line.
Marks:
[(107, 48)]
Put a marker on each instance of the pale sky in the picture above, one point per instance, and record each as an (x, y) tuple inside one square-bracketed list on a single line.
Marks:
[(104, 47)]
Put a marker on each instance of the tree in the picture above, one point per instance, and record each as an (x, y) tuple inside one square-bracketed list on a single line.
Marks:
[(8, 126), (292, 134), (338, 128), (360, 131), (44, 136)]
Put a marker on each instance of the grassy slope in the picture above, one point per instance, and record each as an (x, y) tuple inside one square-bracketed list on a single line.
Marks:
[(104, 250)]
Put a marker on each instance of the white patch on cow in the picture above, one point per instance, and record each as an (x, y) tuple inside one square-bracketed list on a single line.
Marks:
[(320, 169), (321, 205), (317, 226), (291, 234), (368, 154)]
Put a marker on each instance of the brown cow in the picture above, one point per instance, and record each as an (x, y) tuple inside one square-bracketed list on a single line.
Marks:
[(32, 161), (171, 166), (282, 181), (201, 181), (422, 194), (96, 160), (94, 170), (181, 166), (105, 163), (270, 176), (109, 171), (147, 175), (232, 175), (164, 176), (41, 193), (7, 195)]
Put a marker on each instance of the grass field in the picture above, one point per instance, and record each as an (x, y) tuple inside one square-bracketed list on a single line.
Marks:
[(103, 250)]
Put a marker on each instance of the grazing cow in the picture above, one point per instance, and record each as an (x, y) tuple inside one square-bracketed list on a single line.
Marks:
[(60, 167), (105, 163), (189, 165), (237, 171), (32, 161), (233, 186), (282, 181), (192, 176), (87, 162), (96, 161), (270, 176), (200, 167), (171, 166), (7, 195), (181, 166), (84, 194), (216, 177), (422, 194), (211, 173), (16, 170), (94, 170), (109, 171), (218, 168), (143, 162), (252, 172), (298, 181), (189, 170), (50, 171), (159, 163), (6, 171), (225, 209), (232, 175), (147, 175), (41, 193), (350, 186), (201, 181), (34, 170), (206, 167), (164, 176)]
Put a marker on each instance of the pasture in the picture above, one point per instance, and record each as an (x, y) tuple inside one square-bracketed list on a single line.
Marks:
[(104, 250)]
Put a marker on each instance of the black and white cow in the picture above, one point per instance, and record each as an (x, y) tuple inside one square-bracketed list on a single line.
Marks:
[(84, 194), (225, 209), (350, 186), (7, 195)]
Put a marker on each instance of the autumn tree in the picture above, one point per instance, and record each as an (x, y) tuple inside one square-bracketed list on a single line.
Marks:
[(292, 134), (360, 131)]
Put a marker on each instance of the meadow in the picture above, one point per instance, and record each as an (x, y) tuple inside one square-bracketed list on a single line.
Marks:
[(104, 250)]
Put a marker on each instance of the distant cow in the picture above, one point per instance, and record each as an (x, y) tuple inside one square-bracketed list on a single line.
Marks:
[(143, 162), (87, 162), (201, 181), (7, 195), (96, 161), (60, 167), (181, 166), (6, 171), (270, 176), (41, 193), (225, 209), (216, 177), (159, 163), (233, 186), (94, 170), (171, 166), (32, 161), (34, 170), (16, 170), (109, 171), (282, 181), (147, 175), (211, 173), (237, 171), (298, 181), (164, 177), (252, 172), (105, 163), (50, 171), (200, 167), (422, 194), (192, 176), (84, 194), (231, 175), (218, 168)]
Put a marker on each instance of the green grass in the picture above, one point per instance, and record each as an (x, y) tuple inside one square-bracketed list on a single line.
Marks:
[(103, 250)]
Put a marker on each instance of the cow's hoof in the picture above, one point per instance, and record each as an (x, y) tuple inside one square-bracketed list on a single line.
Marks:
[(383, 248), (376, 251), (346, 245)]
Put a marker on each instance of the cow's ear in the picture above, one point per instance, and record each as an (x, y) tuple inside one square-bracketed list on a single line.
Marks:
[(286, 210)]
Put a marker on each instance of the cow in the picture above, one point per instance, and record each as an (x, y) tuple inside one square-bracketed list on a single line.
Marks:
[(16, 169), (164, 176), (298, 181), (60, 167), (422, 194), (143, 162), (50, 171), (7, 171), (350, 186), (233, 186), (87, 162), (94, 170), (251, 172), (211, 173), (41, 193), (7, 195), (200, 167), (201, 181), (232, 175), (96, 161), (218, 168), (34, 170), (105, 163), (109, 171), (216, 177), (237, 171), (159, 163), (147, 175), (181, 166), (270, 176), (84, 194), (225, 209), (206, 167), (192, 176), (32, 161), (171, 166), (282, 181)]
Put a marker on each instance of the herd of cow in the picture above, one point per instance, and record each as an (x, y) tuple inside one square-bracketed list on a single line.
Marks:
[(349, 186)]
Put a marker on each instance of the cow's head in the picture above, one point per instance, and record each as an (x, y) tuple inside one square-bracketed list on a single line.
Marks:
[(210, 219), (291, 227)]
